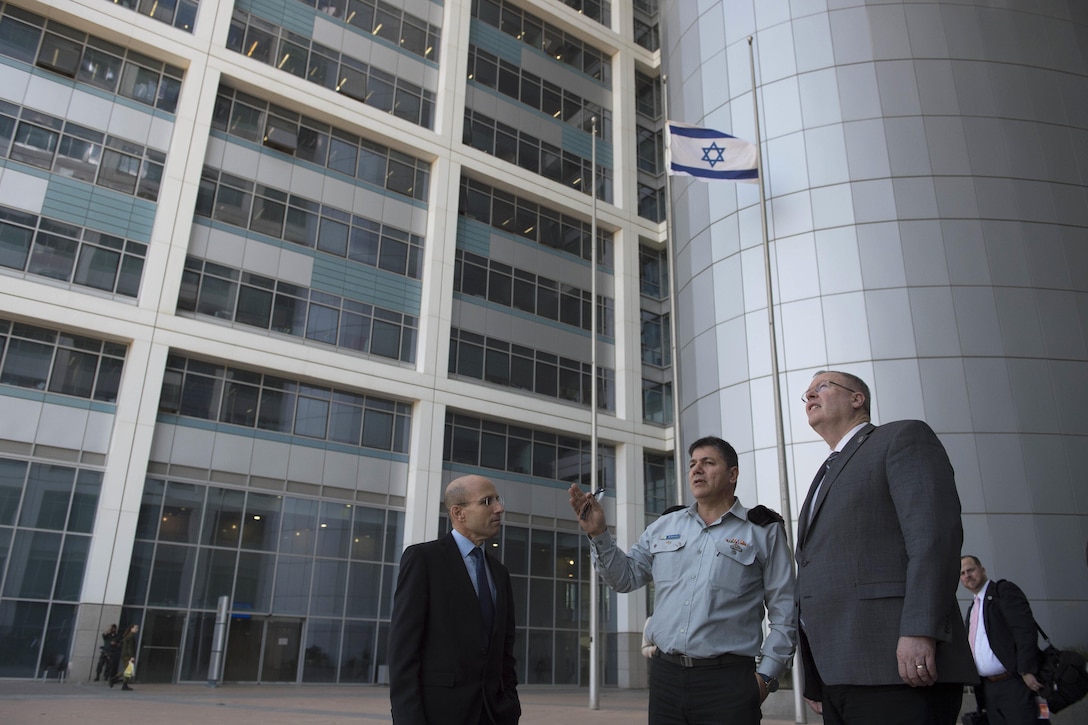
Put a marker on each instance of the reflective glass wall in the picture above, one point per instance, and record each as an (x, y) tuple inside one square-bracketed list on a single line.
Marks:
[(310, 583)]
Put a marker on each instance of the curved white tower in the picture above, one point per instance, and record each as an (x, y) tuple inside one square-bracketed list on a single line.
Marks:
[(927, 194)]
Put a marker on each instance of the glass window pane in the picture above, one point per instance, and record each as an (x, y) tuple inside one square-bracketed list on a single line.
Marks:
[(268, 217), (277, 411), (73, 373), (394, 538), (48, 492), (372, 166), (364, 244), (34, 145), (322, 324), (333, 237), (214, 577), (378, 430), (515, 554), (239, 404), (345, 423), (12, 474), (541, 603), (386, 340), (84, 501), (19, 41), (311, 417), (218, 297), (254, 307), (342, 156), (260, 527), (354, 335), (14, 244), (97, 267), (364, 584), (32, 564), (322, 651), (119, 171), (223, 517), (26, 364), (329, 589), (77, 158), (288, 315), (301, 227), (181, 513), (567, 561), (109, 379), (292, 585), (139, 573), (128, 282), (366, 540), (493, 451), (357, 655), (253, 585), (22, 622), (53, 256), (172, 575), (200, 396), (334, 530), (299, 526), (542, 554)]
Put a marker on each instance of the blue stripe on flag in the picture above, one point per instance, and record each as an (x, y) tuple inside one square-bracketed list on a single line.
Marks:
[(743, 174), (693, 132)]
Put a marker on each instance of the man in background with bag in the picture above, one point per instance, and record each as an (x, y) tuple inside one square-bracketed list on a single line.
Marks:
[(1003, 637)]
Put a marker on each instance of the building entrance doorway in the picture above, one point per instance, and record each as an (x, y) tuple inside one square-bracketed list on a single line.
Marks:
[(263, 649)]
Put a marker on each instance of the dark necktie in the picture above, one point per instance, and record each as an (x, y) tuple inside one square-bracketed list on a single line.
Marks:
[(483, 590), (818, 481)]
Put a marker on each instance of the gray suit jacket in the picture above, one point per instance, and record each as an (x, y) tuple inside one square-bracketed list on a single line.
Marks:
[(879, 559)]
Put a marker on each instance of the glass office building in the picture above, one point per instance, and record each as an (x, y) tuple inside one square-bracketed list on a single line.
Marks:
[(273, 273)]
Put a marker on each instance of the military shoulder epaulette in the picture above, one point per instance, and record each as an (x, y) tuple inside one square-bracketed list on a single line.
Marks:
[(763, 516)]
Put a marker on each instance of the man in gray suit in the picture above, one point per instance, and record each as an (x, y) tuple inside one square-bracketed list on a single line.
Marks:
[(878, 546)]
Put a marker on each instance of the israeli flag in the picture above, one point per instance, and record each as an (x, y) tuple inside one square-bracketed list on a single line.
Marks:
[(708, 154)]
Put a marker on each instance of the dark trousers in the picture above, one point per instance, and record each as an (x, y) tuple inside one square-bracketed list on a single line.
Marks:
[(725, 693), (892, 704), (104, 665), (1008, 702)]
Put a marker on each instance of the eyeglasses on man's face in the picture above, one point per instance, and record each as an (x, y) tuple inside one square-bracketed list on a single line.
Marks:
[(821, 387), (486, 502)]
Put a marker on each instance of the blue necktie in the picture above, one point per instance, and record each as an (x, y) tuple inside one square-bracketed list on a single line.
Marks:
[(483, 589)]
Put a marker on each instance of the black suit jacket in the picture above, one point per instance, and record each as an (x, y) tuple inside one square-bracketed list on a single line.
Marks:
[(442, 669), (1010, 627)]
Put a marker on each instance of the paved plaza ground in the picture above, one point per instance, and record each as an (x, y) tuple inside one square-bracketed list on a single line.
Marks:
[(33, 702), (93, 703)]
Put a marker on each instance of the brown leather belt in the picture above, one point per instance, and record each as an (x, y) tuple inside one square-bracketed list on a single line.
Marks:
[(997, 678), (719, 661)]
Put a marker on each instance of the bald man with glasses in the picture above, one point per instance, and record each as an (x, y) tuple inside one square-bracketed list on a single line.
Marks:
[(451, 638), (878, 552)]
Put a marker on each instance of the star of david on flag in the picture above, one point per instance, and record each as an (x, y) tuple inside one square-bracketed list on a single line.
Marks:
[(708, 154)]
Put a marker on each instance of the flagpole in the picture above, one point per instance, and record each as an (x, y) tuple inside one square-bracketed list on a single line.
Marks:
[(677, 441), (783, 478), (594, 587)]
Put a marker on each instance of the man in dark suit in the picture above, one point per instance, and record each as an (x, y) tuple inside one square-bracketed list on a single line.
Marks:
[(878, 551), (1005, 642), (447, 664)]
